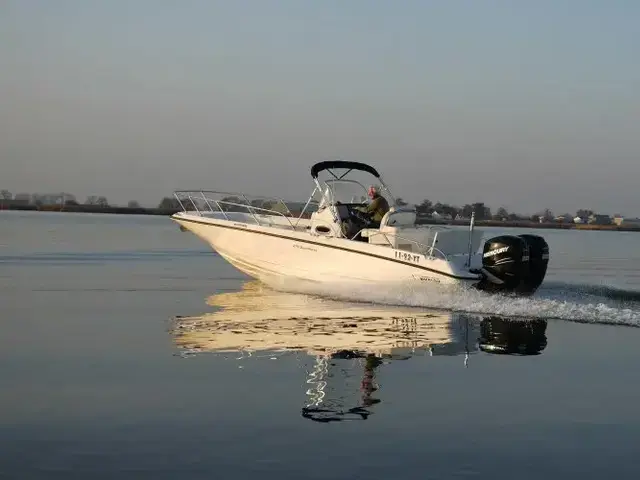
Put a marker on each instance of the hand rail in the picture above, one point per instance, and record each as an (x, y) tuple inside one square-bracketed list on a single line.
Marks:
[(244, 196), (251, 208), (182, 195), (204, 195), (426, 250)]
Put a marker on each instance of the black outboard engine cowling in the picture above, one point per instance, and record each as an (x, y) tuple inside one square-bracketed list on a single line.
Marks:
[(515, 264), (505, 263), (538, 261)]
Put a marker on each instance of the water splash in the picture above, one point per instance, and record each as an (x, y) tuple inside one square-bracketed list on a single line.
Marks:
[(563, 301)]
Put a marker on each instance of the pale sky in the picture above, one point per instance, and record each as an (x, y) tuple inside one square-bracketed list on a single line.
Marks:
[(526, 105)]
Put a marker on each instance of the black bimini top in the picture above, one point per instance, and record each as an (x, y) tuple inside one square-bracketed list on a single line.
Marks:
[(319, 167)]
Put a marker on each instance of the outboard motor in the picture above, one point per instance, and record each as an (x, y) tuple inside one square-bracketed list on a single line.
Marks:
[(538, 261), (505, 263), (515, 264)]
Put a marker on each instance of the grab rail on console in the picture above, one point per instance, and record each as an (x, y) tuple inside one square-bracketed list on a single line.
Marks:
[(426, 250)]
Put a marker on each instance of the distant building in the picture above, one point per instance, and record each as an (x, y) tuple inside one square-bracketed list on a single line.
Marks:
[(627, 222), (596, 219), (440, 216), (52, 198), (22, 199)]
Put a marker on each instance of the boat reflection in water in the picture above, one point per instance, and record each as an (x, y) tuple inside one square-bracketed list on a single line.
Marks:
[(347, 341)]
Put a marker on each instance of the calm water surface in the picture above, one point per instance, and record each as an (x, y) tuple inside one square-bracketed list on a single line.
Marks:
[(130, 350)]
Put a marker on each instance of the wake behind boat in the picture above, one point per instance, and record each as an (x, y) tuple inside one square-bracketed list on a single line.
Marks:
[(338, 243)]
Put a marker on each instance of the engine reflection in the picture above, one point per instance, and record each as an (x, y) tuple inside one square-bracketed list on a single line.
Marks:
[(500, 335)]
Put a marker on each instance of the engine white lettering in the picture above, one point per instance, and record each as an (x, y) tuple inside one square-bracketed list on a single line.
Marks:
[(496, 251)]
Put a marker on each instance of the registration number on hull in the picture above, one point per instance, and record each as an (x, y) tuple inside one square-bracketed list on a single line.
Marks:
[(406, 256)]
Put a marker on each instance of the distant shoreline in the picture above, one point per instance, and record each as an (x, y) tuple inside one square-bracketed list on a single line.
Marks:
[(420, 221), (92, 209), (529, 224)]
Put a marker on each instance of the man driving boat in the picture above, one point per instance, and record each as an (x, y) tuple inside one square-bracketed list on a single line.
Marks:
[(376, 209)]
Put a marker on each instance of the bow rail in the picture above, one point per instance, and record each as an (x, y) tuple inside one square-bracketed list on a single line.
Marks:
[(259, 208)]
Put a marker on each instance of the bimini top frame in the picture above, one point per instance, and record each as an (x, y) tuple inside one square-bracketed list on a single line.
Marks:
[(328, 165), (349, 166)]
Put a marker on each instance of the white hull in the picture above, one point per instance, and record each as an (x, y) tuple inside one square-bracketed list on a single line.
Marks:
[(273, 254)]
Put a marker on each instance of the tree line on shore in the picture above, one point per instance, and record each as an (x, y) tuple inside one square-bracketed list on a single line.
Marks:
[(426, 208), (483, 212), (59, 199)]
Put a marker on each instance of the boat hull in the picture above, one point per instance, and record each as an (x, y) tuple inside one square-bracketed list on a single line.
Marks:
[(276, 255)]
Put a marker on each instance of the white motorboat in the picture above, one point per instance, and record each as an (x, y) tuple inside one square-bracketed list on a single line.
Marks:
[(334, 243)]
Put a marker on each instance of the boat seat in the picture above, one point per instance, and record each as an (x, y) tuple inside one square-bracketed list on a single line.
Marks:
[(376, 237), (398, 216)]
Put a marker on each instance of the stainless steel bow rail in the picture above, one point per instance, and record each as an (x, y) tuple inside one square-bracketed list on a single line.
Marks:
[(204, 202)]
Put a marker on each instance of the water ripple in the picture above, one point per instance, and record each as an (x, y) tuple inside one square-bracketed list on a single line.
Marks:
[(70, 258)]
